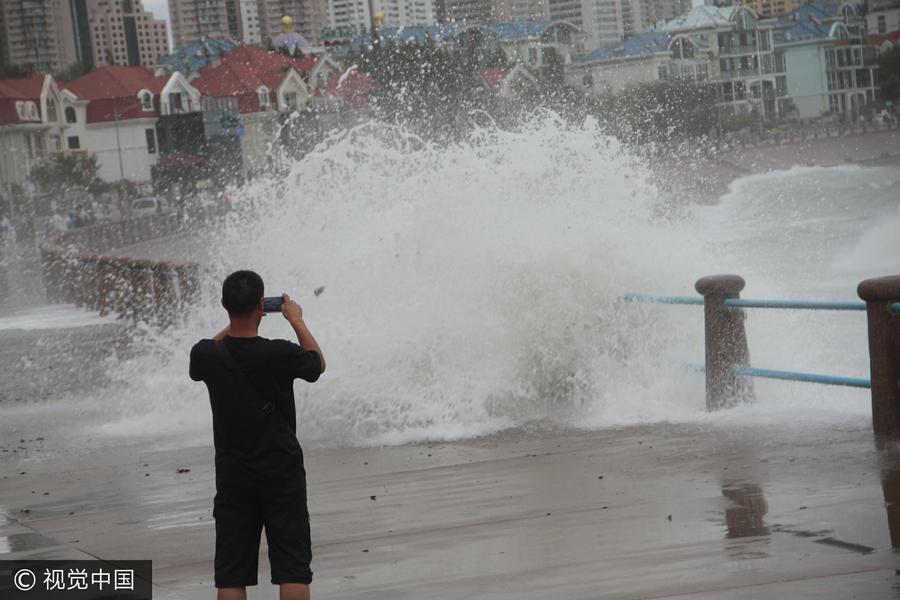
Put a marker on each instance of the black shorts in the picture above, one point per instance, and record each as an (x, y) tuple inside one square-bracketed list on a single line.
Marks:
[(241, 510)]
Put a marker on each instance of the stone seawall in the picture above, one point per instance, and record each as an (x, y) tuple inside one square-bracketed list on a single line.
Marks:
[(78, 268)]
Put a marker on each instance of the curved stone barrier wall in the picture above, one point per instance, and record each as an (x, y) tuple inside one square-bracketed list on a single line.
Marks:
[(77, 269)]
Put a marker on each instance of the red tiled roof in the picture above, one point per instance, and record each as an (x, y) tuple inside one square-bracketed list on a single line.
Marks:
[(352, 87), (28, 88), (240, 72), (493, 78), (11, 90), (876, 39), (113, 92), (115, 82)]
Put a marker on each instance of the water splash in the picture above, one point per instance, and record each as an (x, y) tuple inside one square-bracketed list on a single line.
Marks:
[(475, 287)]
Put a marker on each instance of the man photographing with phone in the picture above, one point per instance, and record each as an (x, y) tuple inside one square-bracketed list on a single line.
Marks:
[(260, 476)]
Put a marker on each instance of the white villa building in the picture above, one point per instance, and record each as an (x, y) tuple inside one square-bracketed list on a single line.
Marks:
[(111, 112), (804, 64), (32, 126)]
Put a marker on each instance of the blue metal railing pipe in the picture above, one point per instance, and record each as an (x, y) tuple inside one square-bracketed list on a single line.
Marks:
[(794, 304), (663, 299), (856, 382), (756, 303)]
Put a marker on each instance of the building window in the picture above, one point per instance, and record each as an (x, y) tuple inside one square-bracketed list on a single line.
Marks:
[(151, 141), (702, 72), (74, 143), (176, 104), (51, 110), (662, 72), (262, 93), (70, 115), (146, 101), (882, 24), (682, 48)]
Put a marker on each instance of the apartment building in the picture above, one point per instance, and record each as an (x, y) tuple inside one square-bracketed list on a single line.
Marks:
[(349, 18), (646, 13), (727, 46), (193, 20), (37, 35), (123, 33), (310, 17), (607, 22), (830, 66), (519, 10), (771, 8)]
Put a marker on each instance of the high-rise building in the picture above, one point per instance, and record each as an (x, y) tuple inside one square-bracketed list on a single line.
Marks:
[(37, 35), (518, 10), (123, 33), (309, 17), (645, 13), (248, 21), (193, 20), (603, 21), (610, 21), (81, 28), (770, 8), (354, 14)]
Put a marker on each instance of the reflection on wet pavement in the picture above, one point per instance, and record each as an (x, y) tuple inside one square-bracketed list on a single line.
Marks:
[(744, 518), (22, 542), (890, 485), (656, 512)]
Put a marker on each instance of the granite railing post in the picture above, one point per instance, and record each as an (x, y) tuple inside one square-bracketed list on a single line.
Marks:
[(76, 268), (164, 297), (884, 352), (52, 270), (106, 267), (726, 342)]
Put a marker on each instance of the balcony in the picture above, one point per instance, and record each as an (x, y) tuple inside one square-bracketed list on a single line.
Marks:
[(739, 73), (738, 50)]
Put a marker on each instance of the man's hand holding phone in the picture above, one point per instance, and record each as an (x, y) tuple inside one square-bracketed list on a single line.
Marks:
[(291, 310)]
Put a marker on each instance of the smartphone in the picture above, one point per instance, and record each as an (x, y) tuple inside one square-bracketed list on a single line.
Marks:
[(272, 304)]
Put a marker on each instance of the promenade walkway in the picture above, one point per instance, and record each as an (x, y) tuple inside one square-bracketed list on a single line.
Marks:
[(666, 511)]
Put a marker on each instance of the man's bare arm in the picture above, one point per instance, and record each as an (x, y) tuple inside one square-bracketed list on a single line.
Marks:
[(294, 315)]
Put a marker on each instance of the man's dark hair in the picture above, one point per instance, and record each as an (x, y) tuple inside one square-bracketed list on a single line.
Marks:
[(241, 292)]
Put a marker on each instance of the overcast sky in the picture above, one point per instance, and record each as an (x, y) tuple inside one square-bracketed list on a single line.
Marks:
[(159, 8)]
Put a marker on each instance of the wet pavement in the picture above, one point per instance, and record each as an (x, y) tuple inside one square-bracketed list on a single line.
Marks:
[(666, 511)]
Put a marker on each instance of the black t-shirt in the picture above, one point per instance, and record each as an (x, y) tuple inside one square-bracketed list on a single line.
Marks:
[(248, 443)]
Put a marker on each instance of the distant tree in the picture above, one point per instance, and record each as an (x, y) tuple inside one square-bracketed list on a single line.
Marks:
[(665, 110), (73, 71), (889, 73), (429, 88), (61, 173), (14, 72)]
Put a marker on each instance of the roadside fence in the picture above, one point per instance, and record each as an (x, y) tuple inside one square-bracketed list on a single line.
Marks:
[(77, 268), (727, 366)]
